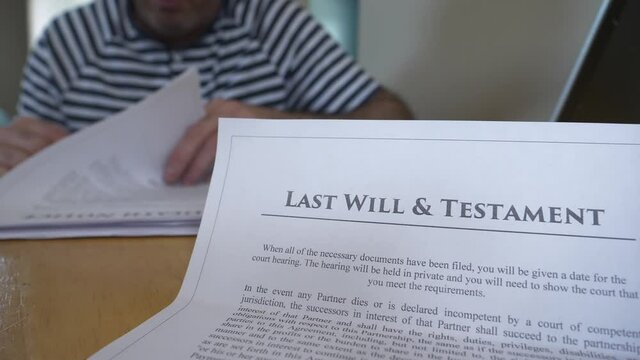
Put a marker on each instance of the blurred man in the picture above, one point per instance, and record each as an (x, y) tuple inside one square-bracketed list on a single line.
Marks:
[(256, 58)]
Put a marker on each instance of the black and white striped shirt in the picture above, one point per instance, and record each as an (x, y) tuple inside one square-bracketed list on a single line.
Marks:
[(92, 62)]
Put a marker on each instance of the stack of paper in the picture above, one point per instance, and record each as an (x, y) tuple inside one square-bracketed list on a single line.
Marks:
[(107, 179)]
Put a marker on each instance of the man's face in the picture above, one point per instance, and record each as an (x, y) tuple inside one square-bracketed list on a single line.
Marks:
[(174, 20)]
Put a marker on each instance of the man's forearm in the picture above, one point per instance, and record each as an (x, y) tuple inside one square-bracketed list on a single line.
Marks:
[(382, 105)]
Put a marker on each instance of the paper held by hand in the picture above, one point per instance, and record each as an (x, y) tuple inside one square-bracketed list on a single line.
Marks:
[(106, 180)]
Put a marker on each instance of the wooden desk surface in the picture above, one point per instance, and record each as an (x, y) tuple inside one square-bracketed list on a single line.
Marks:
[(66, 299)]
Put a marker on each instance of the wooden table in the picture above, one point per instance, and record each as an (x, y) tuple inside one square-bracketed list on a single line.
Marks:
[(66, 299)]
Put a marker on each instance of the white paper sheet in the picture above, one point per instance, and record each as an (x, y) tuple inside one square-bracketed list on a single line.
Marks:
[(107, 179), (494, 241)]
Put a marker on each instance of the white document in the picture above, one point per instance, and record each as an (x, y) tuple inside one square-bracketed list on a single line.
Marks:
[(106, 180), (410, 240)]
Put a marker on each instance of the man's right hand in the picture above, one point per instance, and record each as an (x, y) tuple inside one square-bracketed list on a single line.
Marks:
[(25, 137)]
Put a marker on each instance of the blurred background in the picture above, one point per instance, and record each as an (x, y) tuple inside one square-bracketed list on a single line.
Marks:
[(449, 59)]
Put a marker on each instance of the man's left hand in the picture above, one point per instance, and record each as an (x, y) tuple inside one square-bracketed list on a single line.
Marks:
[(192, 158)]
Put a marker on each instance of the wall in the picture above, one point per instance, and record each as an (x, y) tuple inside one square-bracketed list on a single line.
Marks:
[(13, 51), (41, 12), (470, 59), (340, 19)]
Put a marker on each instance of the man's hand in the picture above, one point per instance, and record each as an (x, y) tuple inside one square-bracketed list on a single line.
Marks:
[(192, 159), (25, 137)]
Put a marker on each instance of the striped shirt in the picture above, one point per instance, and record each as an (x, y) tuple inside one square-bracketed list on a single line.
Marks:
[(92, 62)]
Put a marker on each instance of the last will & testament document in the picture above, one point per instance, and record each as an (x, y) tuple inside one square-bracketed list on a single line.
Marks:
[(106, 180), (410, 240)]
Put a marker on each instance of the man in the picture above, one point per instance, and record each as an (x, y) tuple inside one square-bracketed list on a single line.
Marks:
[(256, 58)]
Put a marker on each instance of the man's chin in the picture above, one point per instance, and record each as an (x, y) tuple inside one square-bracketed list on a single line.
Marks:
[(168, 5), (168, 28)]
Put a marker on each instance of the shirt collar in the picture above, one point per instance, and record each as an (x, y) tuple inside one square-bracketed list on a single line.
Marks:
[(119, 22), (126, 11)]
